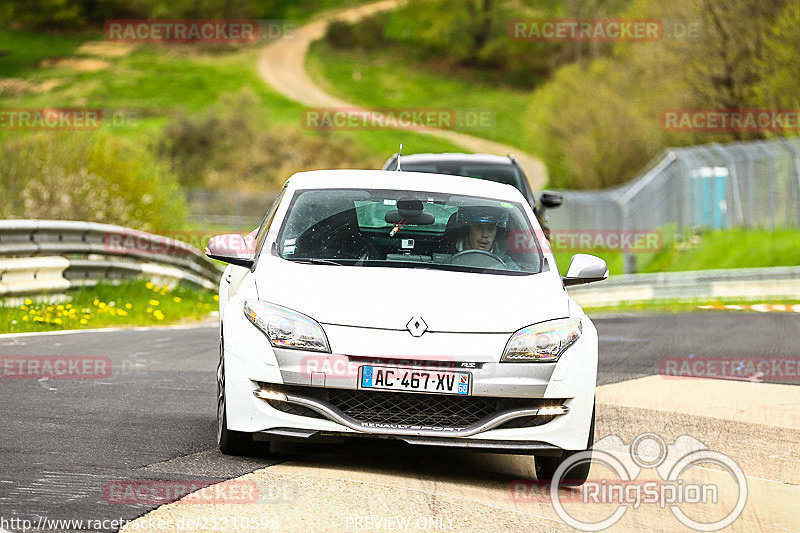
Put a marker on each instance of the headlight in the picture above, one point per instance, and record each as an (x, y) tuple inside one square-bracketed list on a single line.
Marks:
[(286, 328), (542, 343)]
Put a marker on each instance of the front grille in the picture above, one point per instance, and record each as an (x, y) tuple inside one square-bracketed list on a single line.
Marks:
[(412, 408), (437, 410)]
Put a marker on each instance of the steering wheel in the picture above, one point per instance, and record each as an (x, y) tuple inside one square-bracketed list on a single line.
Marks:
[(477, 258)]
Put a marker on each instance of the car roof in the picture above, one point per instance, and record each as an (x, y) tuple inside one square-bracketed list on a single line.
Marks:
[(393, 179), (453, 157)]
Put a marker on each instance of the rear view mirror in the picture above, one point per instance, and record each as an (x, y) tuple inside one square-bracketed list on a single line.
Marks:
[(550, 199), (411, 211), (231, 248), (585, 268)]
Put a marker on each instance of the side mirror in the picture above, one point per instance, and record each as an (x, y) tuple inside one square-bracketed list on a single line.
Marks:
[(231, 248), (550, 199), (585, 268)]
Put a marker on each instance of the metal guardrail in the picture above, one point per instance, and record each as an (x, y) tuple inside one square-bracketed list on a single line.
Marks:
[(54, 255), (773, 282), (228, 208)]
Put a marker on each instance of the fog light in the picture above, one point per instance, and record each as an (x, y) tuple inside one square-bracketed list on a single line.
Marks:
[(550, 410), (269, 394)]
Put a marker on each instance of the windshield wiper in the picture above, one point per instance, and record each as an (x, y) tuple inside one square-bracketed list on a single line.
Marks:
[(317, 261)]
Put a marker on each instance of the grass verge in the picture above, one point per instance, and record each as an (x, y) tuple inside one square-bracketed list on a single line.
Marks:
[(732, 248), (387, 78), (691, 306), (139, 92), (130, 303)]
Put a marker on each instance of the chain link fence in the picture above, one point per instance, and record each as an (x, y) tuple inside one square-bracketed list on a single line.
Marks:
[(744, 184)]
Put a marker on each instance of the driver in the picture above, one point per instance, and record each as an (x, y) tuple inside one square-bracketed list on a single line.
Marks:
[(482, 225)]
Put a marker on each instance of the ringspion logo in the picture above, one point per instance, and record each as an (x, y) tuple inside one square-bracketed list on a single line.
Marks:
[(624, 486)]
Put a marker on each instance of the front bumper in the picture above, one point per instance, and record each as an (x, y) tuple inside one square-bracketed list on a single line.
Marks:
[(250, 363)]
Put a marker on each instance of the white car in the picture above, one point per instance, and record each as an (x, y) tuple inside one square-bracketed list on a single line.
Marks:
[(420, 307)]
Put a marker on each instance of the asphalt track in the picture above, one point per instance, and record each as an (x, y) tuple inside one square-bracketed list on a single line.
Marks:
[(153, 418)]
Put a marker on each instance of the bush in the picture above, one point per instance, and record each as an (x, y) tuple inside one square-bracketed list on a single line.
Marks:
[(586, 129), (228, 148), (368, 33), (95, 178)]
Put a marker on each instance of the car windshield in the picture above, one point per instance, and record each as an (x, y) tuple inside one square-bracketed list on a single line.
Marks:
[(410, 229), (499, 173)]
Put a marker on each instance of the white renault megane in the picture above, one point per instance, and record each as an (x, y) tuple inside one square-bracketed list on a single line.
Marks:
[(419, 307)]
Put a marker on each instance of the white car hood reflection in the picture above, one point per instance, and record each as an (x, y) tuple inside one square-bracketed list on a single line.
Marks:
[(387, 298)]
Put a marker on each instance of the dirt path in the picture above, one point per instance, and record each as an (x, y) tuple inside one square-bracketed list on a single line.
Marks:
[(282, 65)]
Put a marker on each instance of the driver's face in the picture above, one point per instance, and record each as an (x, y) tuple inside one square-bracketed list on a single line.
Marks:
[(481, 236)]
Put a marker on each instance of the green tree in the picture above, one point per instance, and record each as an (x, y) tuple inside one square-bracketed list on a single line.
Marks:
[(779, 65)]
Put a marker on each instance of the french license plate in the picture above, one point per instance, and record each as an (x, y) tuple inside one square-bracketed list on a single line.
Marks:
[(412, 379)]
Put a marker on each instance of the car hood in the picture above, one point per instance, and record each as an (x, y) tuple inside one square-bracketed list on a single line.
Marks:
[(387, 297)]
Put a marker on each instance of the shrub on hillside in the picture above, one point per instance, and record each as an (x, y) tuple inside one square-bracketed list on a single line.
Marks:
[(94, 178), (368, 33), (228, 148), (587, 131)]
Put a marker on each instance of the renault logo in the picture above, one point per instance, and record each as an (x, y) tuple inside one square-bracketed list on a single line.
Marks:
[(416, 326)]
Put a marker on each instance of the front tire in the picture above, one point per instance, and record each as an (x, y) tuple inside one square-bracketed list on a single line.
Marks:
[(574, 477), (230, 442)]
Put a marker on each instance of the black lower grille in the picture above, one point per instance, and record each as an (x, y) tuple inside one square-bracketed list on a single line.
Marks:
[(294, 409), (412, 408), (437, 410)]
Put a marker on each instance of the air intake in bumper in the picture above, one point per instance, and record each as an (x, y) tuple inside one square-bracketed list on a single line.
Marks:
[(415, 413)]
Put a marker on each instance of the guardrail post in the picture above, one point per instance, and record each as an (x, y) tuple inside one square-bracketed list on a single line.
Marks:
[(628, 259)]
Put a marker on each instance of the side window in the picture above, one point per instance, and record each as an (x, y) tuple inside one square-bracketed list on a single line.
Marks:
[(264, 229)]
